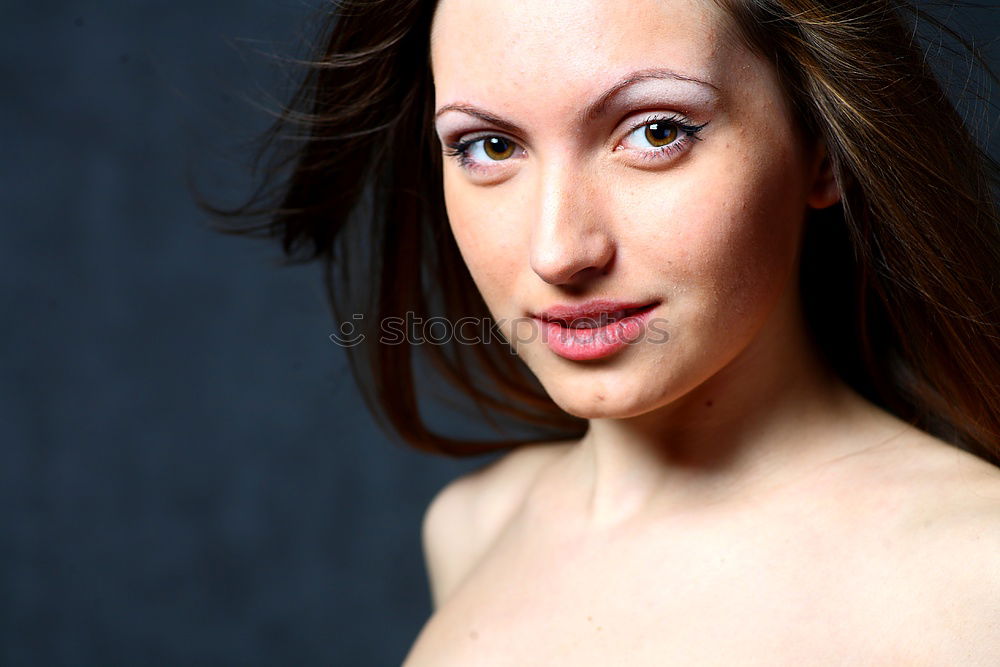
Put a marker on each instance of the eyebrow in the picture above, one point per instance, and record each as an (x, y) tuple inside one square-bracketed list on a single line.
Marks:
[(594, 109)]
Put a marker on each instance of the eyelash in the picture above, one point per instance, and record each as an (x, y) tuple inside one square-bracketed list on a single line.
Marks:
[(687, 133)]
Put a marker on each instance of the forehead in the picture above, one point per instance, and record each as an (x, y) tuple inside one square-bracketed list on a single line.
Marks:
[(512, 48)]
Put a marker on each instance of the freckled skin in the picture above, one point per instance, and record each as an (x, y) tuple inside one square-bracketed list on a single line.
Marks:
[(714, 233)]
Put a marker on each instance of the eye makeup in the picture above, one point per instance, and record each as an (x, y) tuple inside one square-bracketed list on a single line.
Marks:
[(666, 134), (685, 99)]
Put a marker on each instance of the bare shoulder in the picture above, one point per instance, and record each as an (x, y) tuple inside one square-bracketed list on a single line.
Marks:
[(468, 513), (951, 488), (935, 489), (965, 531), (952, 544)]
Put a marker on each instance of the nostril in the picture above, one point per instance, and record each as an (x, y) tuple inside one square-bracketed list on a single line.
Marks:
[(574, 266)]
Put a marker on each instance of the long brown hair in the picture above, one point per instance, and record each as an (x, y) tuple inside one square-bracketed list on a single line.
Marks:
[(898, 279)]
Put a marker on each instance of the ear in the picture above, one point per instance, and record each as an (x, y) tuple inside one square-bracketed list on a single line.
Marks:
[(823, 191)]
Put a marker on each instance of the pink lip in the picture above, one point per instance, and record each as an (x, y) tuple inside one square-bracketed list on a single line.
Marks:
[(610, 326)]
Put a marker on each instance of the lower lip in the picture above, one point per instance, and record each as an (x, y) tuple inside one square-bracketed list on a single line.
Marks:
[(598, 342)]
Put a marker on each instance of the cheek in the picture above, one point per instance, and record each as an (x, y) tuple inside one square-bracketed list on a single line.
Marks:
[(729, 237), (484, 228)]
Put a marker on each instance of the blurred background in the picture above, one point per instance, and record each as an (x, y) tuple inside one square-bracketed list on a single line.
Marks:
[(187, 474)]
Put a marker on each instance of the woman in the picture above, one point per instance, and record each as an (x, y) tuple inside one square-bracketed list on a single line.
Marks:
[(747, 249)]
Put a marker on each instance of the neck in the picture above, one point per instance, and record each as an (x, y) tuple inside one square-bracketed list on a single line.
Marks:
[(773, 413)]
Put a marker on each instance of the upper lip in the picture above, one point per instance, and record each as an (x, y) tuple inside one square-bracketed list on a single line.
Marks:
[(595, 309)]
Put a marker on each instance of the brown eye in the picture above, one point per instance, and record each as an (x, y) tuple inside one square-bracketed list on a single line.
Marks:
[(498, 148), (660, 134)]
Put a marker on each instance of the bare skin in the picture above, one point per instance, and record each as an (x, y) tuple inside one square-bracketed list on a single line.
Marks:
[(886, 557), (732, 502)]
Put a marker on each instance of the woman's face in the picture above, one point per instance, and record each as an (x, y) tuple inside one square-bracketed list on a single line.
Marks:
[(607, 156)]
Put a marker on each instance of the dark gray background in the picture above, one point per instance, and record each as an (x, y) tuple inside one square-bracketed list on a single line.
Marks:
[(187, 475)]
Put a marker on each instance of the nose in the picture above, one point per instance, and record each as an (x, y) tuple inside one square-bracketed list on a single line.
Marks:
[(570, 242)]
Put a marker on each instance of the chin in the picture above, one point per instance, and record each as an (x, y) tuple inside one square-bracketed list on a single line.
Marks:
[(601, 402)]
